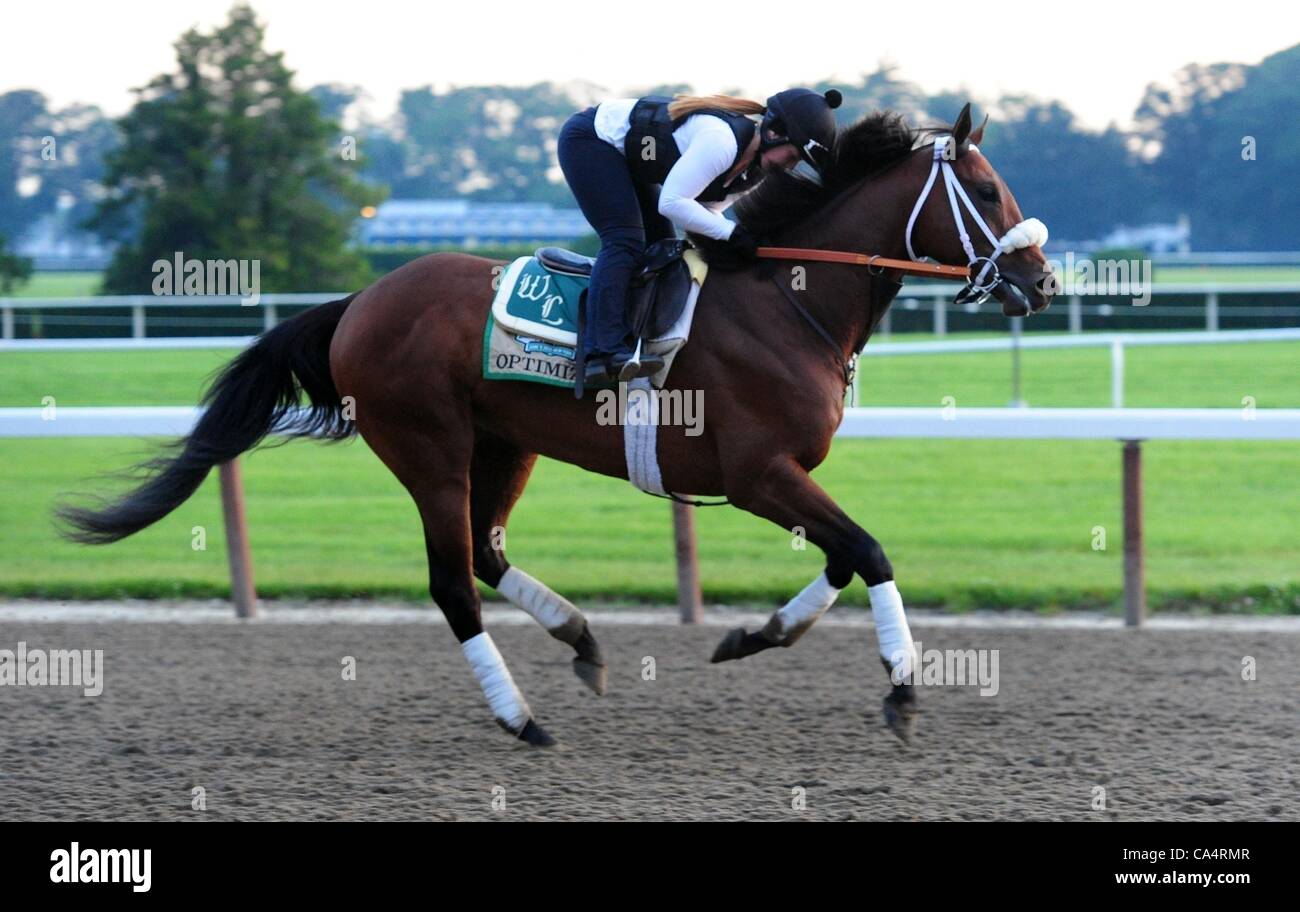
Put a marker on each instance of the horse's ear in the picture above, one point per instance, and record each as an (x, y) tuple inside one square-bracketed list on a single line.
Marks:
[(961, 128), (977, 135)]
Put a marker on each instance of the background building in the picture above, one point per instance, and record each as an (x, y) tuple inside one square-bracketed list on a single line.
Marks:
[(422, 223)]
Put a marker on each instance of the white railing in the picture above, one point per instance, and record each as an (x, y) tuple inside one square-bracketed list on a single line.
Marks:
[(269, 305), (1015, 343), (1116, 342), (1127, 425), (936, 298), (927, 296)]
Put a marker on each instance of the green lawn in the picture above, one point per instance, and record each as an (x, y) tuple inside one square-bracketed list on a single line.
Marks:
[(1202, 375), (1227, 274), (60, 285), (965, 522)]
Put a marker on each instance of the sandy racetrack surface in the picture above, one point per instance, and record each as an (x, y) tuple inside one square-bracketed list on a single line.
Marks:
[(261, 719)]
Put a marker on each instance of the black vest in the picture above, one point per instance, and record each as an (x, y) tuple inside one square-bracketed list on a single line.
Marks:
[(650, 118)]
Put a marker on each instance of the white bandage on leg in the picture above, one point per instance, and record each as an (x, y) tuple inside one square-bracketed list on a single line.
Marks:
[(550, 609), (896, 646), (793, 619), (502, 695)]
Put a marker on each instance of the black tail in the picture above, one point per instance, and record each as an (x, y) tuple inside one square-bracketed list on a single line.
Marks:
[(257, 392)]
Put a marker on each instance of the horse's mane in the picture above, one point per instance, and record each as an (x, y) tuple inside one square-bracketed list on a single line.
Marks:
[(875, 143)]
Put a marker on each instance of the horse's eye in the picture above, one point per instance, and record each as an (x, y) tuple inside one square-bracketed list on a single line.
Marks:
[(988, 193)]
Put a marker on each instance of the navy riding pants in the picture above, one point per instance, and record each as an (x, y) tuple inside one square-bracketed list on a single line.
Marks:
[(626, 218)]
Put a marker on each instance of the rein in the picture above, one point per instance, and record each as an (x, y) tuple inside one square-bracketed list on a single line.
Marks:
[(911, 267)]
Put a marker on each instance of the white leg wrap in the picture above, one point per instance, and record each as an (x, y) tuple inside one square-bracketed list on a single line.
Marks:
[(792, 620), (896, 646), (502, 695), (550, 609)]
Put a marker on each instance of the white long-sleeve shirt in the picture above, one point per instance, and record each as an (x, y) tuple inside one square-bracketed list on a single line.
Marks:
[(708, 149)]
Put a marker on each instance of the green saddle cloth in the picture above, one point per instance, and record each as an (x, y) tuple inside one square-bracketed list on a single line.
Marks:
[(541, 302)]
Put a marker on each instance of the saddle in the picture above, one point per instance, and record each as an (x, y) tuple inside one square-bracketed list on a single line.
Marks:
[(656, 294), (535, 322)]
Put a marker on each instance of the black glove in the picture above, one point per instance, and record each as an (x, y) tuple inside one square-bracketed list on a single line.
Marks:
[(742, 244), (738, 252)]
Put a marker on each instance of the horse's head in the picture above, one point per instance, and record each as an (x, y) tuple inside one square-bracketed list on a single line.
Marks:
[(966, 213)]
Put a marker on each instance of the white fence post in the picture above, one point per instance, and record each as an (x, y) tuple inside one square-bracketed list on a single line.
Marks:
[(1212, 311), (940, 316), (137, 321), (1076, 314), (268, 317), (6, 322)]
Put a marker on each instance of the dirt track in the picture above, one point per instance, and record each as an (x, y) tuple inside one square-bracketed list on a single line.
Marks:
[(262, 720)]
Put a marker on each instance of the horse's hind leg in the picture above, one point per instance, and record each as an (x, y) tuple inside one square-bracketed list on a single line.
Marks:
[(435, 470), (498, 473)]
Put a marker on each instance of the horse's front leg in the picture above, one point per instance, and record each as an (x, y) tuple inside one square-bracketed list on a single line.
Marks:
[(784, 494)]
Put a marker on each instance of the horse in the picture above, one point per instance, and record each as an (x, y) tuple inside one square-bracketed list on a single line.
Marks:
[(400, 364)]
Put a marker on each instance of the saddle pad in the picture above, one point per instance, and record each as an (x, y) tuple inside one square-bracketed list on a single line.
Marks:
[(531, 330), (534, 301)]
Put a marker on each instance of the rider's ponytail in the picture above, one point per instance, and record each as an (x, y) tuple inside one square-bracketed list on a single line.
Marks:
[(684, 105)]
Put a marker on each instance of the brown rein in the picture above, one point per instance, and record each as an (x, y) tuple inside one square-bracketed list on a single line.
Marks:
[(911, 267)]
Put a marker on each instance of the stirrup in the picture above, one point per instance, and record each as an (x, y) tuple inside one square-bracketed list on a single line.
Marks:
[(631, 368), (647, 367)]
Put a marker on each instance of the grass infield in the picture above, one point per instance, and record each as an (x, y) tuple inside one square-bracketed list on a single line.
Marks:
[(966, 523)]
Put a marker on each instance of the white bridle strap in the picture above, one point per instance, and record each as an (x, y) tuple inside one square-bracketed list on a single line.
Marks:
[(925, 194), (1027, 233)]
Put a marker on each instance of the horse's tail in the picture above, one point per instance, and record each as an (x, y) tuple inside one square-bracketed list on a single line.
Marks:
[(259, 391)]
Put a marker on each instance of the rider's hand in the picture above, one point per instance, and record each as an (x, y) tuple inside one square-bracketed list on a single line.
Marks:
[(742, 244)]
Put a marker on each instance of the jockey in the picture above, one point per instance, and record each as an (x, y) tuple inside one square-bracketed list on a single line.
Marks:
[(640, 168)]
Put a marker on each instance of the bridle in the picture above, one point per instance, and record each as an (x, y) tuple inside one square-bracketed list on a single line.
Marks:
[(979, 284), (1026, 233)]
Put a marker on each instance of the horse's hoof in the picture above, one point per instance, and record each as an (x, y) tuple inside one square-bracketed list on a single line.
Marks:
[(729, 648), (900, 716), (593, 674), (534, 734)]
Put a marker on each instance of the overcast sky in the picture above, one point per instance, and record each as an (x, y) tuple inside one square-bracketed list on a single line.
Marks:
[(1097, 56)]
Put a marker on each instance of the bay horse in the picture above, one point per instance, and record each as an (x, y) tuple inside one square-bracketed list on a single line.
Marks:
[(400, 363)]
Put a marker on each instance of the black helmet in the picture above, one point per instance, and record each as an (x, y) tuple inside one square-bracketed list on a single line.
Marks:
[(802, 117)]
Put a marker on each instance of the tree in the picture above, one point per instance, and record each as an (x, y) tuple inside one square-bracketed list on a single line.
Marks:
[(1227, 146), (1081, 183), (22, 124), (223, 159), (484, 142), (14, 270)]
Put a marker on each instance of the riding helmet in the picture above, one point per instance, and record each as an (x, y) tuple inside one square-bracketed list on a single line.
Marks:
[(802, 117)]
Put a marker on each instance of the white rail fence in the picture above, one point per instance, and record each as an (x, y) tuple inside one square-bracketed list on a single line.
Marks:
[(937, 300), (139, 306), (1129, 426), (931, 297), (1015, 343), (1116, 342)]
